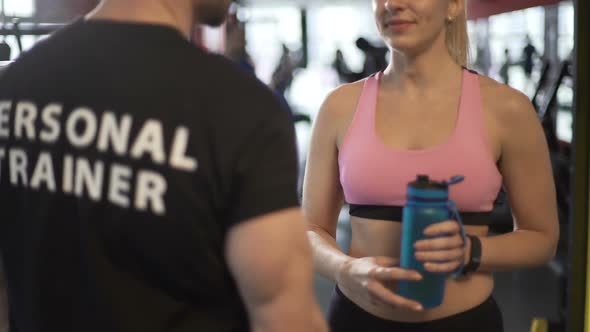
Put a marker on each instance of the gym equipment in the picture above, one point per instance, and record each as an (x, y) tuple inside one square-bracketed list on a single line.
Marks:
[(560, 151), (561, 158), (19, 29), (5, 51)]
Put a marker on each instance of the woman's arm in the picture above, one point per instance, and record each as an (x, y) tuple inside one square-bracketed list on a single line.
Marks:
[(322, 193), (366, 277), (526, 169)]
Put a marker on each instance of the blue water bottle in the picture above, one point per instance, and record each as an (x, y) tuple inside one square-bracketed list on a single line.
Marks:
[(427, 203)]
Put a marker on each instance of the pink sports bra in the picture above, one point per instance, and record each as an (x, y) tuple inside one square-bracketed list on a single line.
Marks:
[(374, 176)]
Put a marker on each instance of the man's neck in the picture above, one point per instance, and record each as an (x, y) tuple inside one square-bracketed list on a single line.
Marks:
[(157, 12)]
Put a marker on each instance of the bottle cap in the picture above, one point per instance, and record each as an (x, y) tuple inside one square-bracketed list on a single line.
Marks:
[(424, 182)]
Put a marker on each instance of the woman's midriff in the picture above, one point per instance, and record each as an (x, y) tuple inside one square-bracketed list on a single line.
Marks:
[(383, 238)]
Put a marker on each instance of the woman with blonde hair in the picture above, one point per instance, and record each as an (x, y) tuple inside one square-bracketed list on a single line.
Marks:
[(426, 114)]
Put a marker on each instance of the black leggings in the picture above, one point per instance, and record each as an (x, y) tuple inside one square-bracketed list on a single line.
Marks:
[(345, 316)]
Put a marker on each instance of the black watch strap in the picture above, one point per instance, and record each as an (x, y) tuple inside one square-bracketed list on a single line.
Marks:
[(474, 256)]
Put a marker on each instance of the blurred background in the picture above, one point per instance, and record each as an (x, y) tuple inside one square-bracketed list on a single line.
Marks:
[(304, 49)]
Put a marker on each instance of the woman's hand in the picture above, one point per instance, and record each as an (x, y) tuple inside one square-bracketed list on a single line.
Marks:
[(444, 250), (374, 278)]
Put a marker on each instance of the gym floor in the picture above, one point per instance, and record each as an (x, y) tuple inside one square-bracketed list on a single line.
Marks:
[(522, 295)]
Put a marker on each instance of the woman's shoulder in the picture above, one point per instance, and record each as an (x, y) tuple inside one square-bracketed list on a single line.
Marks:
[(504, 101), (338, 109), (341, 102), (344, 96)]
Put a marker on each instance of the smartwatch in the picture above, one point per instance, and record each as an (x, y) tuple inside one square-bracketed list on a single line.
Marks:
[(474, 256)]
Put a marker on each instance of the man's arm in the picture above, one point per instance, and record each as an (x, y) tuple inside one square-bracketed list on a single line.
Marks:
[(4, 315), (270, 259)]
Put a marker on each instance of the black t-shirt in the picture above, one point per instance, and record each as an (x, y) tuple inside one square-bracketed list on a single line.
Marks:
[(126, 155)]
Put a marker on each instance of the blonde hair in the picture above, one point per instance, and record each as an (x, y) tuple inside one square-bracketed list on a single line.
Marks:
[(458, 39)]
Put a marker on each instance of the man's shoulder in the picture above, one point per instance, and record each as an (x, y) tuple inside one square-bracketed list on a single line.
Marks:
[(228, 73), (48, 52), (233, 86)]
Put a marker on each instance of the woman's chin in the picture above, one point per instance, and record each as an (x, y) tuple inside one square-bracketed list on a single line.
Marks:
[(406, 49), (401, 43)]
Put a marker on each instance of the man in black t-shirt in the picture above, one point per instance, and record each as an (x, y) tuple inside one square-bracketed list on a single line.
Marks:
[(148, 186)]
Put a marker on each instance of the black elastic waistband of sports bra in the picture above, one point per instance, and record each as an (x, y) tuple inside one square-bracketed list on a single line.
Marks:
[(394, 213)]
